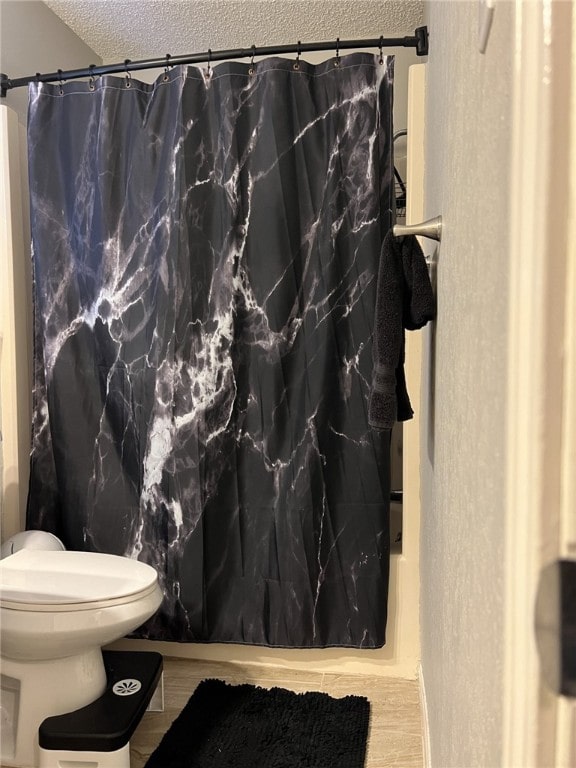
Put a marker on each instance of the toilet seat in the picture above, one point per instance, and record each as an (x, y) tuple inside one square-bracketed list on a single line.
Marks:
[(32, 580)]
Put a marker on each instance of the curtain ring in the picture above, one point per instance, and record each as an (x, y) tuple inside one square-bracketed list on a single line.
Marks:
[(298, 54), (128, 75), (380, 46), (337, 61), (38, 76), (209, 68), (61, 82), (166, 69), (91, 84), (251, 69)]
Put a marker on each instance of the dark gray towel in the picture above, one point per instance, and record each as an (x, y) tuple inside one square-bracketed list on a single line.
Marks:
[(404, 300)]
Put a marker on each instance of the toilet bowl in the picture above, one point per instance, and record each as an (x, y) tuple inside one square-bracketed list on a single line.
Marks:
[(57, 610)]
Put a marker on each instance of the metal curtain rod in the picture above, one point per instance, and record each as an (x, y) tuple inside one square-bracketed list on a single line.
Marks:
[(419, 41)]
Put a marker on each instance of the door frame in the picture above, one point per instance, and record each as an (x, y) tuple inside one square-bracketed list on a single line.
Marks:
[(541, 359)]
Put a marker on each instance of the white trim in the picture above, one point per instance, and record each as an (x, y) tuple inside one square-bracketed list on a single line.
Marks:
[(529, 191), (566, 708), (426, 747), (566, 733), (406, 602), (14, 333), (541, 377), (568, 510)]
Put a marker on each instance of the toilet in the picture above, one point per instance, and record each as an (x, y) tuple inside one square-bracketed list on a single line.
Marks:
[(57, 610)]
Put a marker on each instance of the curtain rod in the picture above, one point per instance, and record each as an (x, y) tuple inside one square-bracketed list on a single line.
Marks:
[(419, 41)]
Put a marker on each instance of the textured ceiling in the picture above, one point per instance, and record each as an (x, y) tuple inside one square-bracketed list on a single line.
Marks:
[(139, 29)]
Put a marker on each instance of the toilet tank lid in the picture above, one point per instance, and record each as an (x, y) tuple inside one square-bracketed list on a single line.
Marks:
[(33, 576)]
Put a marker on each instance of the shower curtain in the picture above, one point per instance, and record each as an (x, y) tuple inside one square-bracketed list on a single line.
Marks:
[(205, 254)]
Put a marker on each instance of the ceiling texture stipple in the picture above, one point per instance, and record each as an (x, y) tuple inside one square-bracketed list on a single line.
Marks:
[(141, 29)]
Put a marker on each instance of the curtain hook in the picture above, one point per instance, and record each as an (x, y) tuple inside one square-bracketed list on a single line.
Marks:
[(209, 69), (380, 46), (91, 84), (166, 68), (251, 70), (128, 75), (298, 54), (38, 76), (61, 82), (337, 62)]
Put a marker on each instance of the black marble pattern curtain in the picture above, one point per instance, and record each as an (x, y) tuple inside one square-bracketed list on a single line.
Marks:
[(205, 261)]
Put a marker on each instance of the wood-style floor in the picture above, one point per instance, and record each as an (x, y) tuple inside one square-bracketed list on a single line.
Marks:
[(395, 726)]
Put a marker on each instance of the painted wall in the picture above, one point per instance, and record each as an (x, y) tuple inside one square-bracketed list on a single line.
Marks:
[(468, 118), (33, 39)]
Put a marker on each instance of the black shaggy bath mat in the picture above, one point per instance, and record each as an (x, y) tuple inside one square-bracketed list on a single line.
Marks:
[(242, 726)]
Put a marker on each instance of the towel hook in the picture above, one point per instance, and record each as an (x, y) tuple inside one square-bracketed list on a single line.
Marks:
[(431, 229)]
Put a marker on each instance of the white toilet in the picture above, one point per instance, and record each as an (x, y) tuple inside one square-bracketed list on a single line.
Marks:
[(57, 610)]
